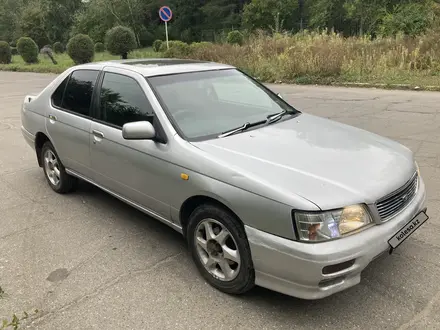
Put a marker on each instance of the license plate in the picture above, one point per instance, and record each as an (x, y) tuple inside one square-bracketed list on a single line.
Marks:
[(408, 229)]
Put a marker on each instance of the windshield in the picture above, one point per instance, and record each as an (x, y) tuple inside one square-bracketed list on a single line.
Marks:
[(205, 104)]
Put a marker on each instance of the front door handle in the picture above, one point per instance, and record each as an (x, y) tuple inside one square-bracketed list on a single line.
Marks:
[(98, 134)]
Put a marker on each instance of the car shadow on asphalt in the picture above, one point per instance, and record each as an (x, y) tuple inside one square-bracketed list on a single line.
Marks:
[(258, 296)]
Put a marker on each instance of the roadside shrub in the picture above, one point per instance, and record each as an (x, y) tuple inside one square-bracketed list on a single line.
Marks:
[(81, 49), (13, 44), (197, 46), (146, 38), (177, 49), (235, 37), (120, 40), (14, 51), (177, 44), (28, 50), (5, 53), (58, 48), (99, 47), (157, 44)]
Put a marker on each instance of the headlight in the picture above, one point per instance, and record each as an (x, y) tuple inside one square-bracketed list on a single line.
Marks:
[(324, 226)]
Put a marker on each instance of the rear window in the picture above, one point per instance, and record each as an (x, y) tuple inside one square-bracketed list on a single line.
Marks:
[(57, 96), (75, 92)]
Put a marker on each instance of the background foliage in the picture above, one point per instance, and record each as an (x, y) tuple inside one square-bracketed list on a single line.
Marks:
[(50, 21), (302, 41)]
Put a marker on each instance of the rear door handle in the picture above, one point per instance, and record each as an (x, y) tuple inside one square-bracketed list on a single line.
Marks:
[(52, 118)]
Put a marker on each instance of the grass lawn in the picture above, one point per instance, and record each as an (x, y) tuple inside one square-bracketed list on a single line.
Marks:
[(45, 65)]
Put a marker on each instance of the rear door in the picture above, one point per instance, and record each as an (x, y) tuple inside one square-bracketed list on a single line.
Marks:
[(69, 120), (136, 170)]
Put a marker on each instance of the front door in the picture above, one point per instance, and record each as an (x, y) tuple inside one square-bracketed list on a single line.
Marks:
[(132, 169), (69, 120)]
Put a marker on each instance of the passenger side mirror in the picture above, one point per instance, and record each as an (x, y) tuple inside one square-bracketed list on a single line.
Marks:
[(139, 130)]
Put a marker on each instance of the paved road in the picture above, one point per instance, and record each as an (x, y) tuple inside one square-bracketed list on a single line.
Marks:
[(87, 261)]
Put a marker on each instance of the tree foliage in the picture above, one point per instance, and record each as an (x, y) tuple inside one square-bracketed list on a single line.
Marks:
[(58, 47), (5, 53), (48, 21), (120, 40), (81, 49), (28, 49)]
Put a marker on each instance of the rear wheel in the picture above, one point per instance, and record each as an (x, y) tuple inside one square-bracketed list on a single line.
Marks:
[(220, 249), (55, 173)]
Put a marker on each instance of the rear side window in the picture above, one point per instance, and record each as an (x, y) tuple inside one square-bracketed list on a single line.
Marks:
[(57, 96), (122, 101), (78, 95)]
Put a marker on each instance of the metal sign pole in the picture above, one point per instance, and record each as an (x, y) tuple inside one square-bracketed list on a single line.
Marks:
[(166, 33)]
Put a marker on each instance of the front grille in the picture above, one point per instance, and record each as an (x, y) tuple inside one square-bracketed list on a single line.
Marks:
[(393, 203)]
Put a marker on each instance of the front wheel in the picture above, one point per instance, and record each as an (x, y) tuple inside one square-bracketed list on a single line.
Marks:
[(220, 249)]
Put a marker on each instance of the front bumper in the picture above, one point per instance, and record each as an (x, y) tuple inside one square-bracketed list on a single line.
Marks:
[(296, 269)]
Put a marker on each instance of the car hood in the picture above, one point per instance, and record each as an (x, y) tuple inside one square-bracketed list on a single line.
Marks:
[(326, 162)]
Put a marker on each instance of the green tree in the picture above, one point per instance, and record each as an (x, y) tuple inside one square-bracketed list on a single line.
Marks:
[(271, 14), (10, 14), (329, 14), (59, 17), (120, 41), (93, 20), (410, 18), (365, 13), (218, 14), (32, 23), (81, 49)]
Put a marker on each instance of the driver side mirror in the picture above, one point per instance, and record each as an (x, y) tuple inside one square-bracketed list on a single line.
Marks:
[(139, 130), (280, 96)]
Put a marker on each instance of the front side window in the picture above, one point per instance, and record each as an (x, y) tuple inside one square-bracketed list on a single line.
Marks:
[(79, 91), (206, 104), (122, 101)]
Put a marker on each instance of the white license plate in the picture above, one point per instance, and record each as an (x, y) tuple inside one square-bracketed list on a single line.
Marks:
[(408, 229)]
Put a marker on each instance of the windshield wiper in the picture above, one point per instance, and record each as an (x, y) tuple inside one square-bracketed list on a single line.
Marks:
[(273, 118), (270, 119), (241, 128)]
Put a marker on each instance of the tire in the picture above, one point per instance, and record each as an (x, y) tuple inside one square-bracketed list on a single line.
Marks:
[(62, 183), (242, 276)]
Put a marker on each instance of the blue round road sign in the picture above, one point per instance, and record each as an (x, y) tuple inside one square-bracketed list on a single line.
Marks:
[(165, 13)]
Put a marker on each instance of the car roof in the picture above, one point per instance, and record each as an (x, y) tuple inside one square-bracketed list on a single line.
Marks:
[(162, 66)]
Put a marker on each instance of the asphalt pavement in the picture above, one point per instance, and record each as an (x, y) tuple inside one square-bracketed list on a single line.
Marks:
[(88, 261)]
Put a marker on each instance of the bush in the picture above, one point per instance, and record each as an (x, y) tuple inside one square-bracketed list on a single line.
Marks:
[(58, 48), (14, 51), (81, 49), (99, 47), (120, 40), (235, 37), (195, 46), (13, 44), (146, 38), (183, 46), (157, 44), (28, 50), (5, 53), (177, 49)]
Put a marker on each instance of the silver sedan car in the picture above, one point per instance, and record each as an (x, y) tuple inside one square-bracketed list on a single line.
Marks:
[(263, 193)]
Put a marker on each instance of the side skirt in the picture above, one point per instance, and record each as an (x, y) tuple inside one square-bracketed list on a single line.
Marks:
[(129, 202)]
